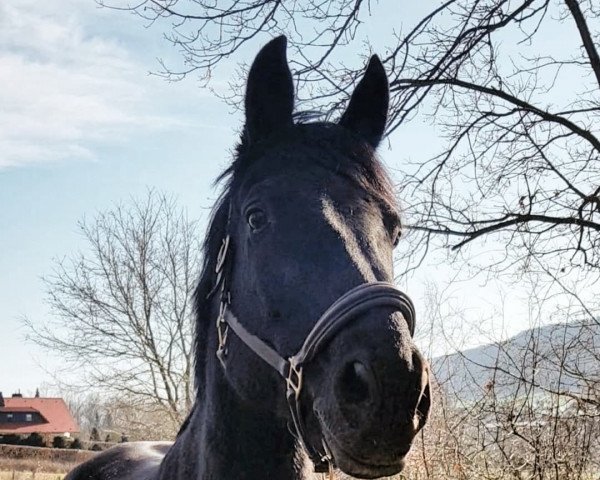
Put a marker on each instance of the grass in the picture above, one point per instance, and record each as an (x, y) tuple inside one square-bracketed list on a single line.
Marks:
[(17, 475), (33, 463), (29, 466)]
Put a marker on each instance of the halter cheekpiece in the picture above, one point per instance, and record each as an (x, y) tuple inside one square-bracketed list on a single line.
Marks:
[(356, 301)]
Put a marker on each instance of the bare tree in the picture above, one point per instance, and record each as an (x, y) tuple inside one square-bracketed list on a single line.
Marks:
[(89, 411), (520, 159), (208, 32), (122, 309), (522, 408)]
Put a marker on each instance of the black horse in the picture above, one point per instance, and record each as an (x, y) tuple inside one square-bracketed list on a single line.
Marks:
[(315, 358)]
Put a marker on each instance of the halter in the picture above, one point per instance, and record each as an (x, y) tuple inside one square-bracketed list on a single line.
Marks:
[(356, 301)]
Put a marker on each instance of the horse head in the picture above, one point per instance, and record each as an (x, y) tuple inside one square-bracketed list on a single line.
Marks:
[(309, 324)]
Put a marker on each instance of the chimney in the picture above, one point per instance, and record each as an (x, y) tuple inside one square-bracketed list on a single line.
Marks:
[(1, 400)]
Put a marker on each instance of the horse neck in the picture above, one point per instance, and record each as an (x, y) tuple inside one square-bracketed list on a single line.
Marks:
[(225, 439)]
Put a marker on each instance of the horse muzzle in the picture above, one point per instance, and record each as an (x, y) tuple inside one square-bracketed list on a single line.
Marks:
[(370, 408)]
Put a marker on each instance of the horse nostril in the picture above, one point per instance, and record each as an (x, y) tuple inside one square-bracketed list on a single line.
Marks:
[(356, 384)]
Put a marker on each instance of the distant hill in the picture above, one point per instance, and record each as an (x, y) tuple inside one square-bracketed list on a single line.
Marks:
[(560, 357)]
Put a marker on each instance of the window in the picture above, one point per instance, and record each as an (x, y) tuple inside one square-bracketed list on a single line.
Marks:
[(28, 417), (9, 417)]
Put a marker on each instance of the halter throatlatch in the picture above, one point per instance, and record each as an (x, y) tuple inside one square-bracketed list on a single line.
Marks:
[(346, 308)]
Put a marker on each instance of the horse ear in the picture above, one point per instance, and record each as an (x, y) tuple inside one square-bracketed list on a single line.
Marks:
[(269, 92), (367, 110)]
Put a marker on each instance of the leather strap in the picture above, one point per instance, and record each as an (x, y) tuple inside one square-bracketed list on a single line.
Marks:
[(353, 303), (255, 344)]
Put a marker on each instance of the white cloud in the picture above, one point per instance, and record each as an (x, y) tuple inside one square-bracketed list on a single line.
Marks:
[(63, 91)]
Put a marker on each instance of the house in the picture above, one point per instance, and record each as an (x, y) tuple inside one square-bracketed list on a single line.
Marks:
[(47, 416)]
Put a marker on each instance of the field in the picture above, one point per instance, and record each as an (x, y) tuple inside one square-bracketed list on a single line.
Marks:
[(33, 463), (17, 475)]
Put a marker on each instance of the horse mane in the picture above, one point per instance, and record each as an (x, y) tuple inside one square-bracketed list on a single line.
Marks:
[(353, 158)]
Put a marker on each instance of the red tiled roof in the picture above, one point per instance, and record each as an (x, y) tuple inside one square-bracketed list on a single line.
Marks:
[(54, 410)]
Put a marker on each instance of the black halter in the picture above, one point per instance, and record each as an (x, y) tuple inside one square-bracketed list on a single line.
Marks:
[(356, 301)]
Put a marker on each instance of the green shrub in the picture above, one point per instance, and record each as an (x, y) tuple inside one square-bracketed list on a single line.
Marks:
[(10, 439), (34, 440), (59, 442), (76, 444), (95, 435)]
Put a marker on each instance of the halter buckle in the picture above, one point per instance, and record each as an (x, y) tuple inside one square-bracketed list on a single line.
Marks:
[(222, 255), (222, 328), (294, 379)]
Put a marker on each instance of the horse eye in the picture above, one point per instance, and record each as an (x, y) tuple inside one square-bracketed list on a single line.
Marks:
[(393, 224), (256, 219)]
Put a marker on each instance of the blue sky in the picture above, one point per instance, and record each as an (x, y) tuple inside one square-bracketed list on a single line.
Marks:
[(83, 126)]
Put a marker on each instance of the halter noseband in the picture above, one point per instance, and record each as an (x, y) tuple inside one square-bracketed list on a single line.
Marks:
[(356, 301)]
